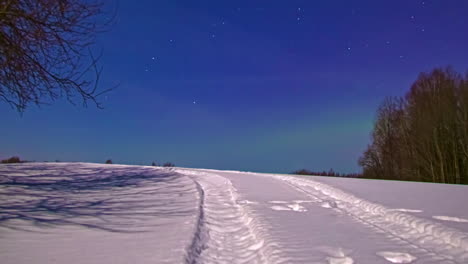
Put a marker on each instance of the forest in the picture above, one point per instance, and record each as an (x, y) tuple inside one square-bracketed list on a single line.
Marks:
[(423, 135)]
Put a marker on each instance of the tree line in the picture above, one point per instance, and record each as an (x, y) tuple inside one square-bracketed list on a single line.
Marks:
[(16, 159), (330, 173), (422, 136)]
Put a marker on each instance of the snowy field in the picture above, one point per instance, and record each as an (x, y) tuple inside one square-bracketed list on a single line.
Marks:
[(95, 213)]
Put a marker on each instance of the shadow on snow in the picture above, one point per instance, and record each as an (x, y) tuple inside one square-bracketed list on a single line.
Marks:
[(115, 199)]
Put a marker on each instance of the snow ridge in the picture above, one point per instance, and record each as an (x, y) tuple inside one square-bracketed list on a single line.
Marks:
[(227, 232), (435, 239)]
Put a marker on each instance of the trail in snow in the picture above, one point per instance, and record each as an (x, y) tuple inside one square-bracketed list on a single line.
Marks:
[(230, 233), (295, 232), (429, 199), (434, 240), (404, 238)]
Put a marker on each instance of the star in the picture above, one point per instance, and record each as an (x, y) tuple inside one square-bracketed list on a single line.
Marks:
[(194, 102), (213, 35), (298, 9), (170, 40), (401, 56), (388, 42), (222, 23), (298, 18), (153, 58), (423, 30)]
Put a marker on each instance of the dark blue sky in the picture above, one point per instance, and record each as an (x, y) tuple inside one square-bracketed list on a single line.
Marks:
[(268, 86)]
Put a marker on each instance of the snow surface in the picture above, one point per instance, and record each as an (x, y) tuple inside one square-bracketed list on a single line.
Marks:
[(95, 213)]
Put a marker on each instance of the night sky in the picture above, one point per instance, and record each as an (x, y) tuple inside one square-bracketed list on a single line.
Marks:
[(268, 86)]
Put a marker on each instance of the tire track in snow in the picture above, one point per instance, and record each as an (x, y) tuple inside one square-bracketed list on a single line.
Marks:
[(226, 232), (200, 236), (436, 241)]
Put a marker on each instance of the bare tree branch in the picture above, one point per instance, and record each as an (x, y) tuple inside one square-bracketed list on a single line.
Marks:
[(43, 46)]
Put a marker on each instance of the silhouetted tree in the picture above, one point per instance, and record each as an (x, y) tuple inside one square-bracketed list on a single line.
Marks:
[(384, 154), (433, 109), (168, 164), (14, 159), (422, 136), (42, 51), (303, 172), (109, 161), (462, 121)]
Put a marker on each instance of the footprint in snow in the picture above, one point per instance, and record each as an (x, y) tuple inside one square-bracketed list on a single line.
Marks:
[(294, 201), (297, 207), (396, 257), (280, 208), (450, 218), (246, 202), (304, 201), (344, 260), (329, 204), (406, 210), (336, 255), (289, 207), (278, 202)]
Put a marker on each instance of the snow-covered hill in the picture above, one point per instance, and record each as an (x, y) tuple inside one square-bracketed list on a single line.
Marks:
[(94, 213)]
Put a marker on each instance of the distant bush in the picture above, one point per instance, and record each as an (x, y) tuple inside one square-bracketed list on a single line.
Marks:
[(303, 172), (154, 164), (13, 159), (109, 161), (168, 164)]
